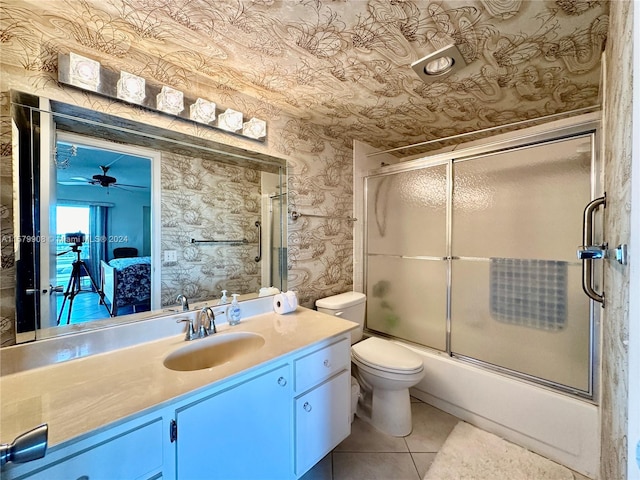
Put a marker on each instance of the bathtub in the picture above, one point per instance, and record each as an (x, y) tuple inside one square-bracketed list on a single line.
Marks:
[(557, 426)]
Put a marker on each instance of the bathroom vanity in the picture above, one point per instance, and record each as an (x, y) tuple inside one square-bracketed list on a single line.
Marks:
[(270, 413)]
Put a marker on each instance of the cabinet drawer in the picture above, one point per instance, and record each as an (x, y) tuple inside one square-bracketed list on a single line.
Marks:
[(135, 454), (321, 364), (322, 418)]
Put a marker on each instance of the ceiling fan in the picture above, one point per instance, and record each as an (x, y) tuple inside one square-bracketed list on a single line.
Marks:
[(103, 180)]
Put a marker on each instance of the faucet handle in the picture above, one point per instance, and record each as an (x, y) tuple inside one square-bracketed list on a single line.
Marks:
[(191, 332), (211, 317)]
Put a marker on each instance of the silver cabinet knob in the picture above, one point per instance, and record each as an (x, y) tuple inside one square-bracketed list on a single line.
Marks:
[(306, 407), (282, 381)]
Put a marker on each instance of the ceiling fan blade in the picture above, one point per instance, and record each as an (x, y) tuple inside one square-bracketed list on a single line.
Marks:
[(73, 183), (82, 179), (125, 185)]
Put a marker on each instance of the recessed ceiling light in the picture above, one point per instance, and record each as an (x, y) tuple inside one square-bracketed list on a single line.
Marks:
[(439, 64)]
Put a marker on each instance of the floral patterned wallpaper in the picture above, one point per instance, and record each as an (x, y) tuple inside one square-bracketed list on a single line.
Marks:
[(618, 131), (206, 200)]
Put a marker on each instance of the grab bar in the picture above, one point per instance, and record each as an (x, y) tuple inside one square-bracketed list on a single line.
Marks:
[(588, 252), (259, 225), (27, 447)]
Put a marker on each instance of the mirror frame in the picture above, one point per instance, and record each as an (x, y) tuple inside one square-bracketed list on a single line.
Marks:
[(27, 115)]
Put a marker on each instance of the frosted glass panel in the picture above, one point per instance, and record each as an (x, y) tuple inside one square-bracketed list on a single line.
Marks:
[(531, 317), (406, 213), (522, 204), (406, 298)]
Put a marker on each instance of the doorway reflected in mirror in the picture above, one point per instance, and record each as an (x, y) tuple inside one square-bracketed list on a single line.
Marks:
[(102, 194)]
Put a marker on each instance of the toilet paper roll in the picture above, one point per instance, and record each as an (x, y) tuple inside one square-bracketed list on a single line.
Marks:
[(285, 302)]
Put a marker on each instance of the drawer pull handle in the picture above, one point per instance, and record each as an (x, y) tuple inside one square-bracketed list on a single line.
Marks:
[(307, 407), (282, 381), (327, 363)]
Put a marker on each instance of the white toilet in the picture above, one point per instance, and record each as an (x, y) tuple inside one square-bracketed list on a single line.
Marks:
[(384, 369)]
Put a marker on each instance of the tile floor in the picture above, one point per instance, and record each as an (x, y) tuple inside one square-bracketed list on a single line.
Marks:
[(368, 454), (86, 307)]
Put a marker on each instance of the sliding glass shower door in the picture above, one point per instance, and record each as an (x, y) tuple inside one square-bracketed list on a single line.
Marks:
[(406, 261), (477, 257), (516, 298)]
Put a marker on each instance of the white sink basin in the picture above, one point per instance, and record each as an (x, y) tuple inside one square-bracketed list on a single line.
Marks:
[(217, 349)]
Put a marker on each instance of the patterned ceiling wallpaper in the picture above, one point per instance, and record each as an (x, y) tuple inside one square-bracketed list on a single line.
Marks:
[(343, 65)]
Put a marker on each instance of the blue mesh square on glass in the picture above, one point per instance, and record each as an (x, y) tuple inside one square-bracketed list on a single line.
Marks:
[(532, 293)]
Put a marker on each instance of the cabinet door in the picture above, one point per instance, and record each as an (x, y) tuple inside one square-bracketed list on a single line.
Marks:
[(240, 433), (322, 420), (135, 454)]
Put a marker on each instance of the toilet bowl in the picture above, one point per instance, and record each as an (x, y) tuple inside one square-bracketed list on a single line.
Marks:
[(385, 370)]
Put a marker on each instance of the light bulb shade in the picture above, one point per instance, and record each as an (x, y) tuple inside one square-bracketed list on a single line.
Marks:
[(84, 72), (202, 111), (170, 100), (131, 88), (254, 128), (230, 120)]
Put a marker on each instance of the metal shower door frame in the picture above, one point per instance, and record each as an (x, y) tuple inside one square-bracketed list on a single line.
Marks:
[(587, 125)]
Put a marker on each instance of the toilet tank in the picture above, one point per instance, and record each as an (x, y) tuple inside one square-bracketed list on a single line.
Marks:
[(348, 305)]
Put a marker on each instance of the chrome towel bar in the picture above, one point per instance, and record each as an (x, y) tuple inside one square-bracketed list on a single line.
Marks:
[(296, 215)]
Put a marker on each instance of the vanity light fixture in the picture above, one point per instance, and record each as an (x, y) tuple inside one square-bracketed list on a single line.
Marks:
[(131, 88), (84, 72), (170, 100), (439, 64), (202, 111), (90, 75), (230, 120), (254, 128)]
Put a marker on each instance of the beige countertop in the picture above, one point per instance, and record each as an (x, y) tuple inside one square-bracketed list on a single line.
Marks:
[(81, 395)]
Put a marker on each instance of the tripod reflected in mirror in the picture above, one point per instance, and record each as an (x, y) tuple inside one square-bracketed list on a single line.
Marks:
[(79, 269)]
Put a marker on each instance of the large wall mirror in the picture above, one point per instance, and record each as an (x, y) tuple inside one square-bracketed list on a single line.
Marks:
[(113, 219)]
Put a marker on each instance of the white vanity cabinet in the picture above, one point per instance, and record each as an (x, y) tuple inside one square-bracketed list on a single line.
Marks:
[(272, 421), (322, 403), (242, 432)]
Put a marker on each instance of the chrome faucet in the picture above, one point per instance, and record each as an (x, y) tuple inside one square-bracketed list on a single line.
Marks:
[(211, 319), (183, 301), (205, 326)]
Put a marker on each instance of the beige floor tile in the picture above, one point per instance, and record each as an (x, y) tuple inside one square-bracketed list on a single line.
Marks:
[(373, 466), (431, 427), (423, 461), (322, 470), (366, 438)]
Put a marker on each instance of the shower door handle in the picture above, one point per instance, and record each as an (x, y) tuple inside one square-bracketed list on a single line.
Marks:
[(590, 252)]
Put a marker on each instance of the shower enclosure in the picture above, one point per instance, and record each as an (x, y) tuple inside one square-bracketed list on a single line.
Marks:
[(475, 255)]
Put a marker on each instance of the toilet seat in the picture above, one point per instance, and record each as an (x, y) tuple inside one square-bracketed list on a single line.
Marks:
[(386, 356)]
